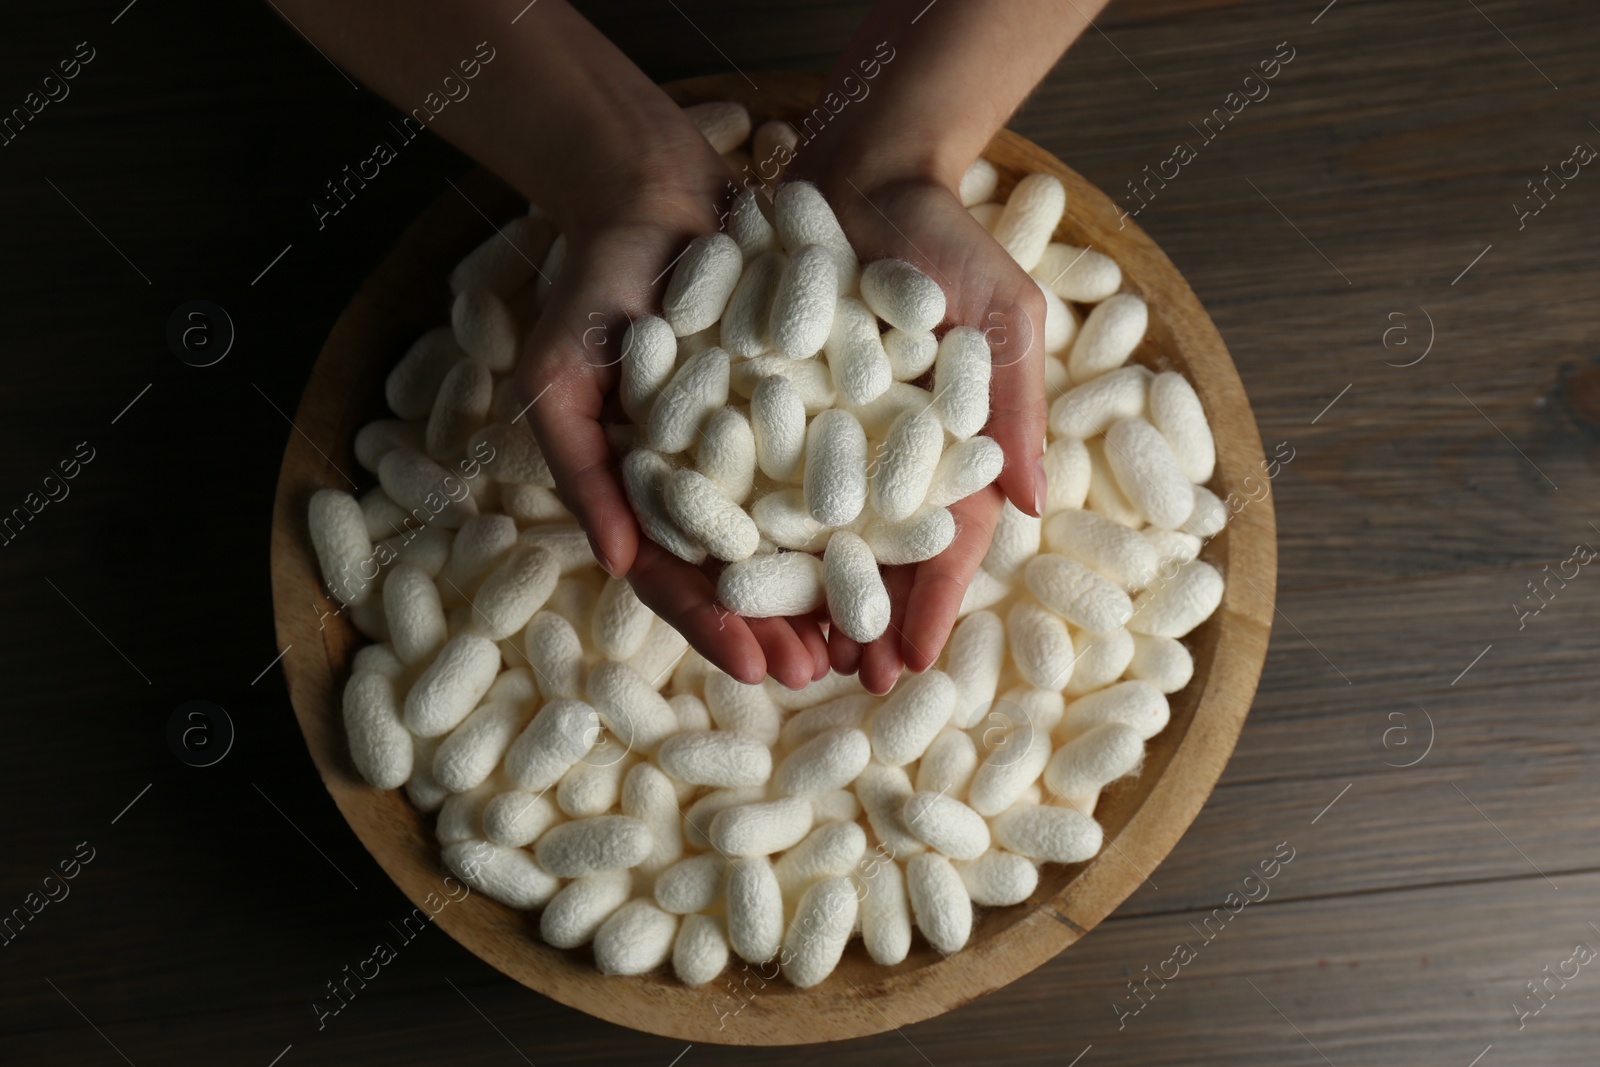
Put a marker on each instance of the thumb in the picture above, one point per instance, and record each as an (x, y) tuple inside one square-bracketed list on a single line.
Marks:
[(567, 368), (1016, 395)]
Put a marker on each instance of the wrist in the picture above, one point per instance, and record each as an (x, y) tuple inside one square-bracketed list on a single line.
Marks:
[(628, 168), (673, 184), (590, 139), (847, 162)]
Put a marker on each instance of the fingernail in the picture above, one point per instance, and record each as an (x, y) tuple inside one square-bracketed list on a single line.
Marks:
[(600, 557), (1041, 487)]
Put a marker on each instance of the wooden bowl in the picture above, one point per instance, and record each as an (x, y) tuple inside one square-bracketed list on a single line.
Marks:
[(1143, 818)]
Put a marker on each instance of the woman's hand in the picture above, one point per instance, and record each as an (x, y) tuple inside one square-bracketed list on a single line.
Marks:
[(922, 221), (573, 125), (927, 87), (619, 252)]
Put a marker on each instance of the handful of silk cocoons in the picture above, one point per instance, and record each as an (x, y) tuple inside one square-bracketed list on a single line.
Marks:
[(805, 419)]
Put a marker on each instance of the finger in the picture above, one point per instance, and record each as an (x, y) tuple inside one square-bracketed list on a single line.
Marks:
[(844, 653), (687, 599), (809, 628), (881, 666), (788, 659), (567, 368), (565, 422), (1016, 398), (941, 582), (881, 662)]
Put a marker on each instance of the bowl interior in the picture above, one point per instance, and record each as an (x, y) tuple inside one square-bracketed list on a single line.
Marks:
[(1142, 817)]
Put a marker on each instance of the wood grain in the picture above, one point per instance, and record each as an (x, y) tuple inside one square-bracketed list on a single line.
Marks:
[(1142, 820), (1395, 142)]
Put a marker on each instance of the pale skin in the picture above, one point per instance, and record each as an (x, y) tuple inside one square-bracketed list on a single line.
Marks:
[(572, 124)]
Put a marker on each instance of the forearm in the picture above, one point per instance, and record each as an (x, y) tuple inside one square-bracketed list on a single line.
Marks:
[(558, 111), (959, 69)]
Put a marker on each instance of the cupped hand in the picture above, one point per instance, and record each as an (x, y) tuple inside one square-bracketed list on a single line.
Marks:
[(617, 259), (923, 222)]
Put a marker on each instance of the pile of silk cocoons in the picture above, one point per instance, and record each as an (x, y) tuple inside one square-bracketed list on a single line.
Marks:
[(585, 764)]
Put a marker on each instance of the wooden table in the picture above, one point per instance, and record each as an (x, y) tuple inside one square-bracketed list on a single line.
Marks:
[(1424, 750)]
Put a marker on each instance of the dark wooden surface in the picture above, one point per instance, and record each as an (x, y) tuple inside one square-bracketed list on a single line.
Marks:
[(1416, 510)]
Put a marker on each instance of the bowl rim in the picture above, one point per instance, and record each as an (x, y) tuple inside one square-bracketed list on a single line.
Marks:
[(317, 647)]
